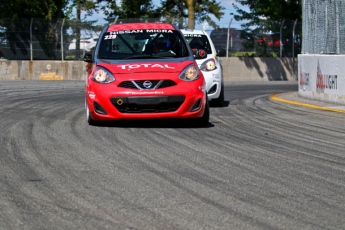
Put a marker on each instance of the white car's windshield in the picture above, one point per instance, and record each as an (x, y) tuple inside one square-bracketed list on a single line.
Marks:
[(198, 41), (144, 44)]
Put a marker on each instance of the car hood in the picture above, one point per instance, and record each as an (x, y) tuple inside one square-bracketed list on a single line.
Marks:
[(146, 67)]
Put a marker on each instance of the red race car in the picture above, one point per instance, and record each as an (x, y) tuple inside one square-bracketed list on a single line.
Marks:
[(144, 71)]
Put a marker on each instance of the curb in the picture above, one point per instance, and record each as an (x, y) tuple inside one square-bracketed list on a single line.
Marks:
[(276, 97)]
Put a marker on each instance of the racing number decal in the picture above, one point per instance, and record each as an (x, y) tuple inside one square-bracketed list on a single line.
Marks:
[(111, 36)]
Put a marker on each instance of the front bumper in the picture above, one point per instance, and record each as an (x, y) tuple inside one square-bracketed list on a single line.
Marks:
[(111, 102), (213, 81)]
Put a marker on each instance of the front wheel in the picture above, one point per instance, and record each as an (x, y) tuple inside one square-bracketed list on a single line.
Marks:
[(90, 121)]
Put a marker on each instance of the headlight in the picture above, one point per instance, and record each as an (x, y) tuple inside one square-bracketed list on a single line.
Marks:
[(102, 75), (208, 65), (190, 73)]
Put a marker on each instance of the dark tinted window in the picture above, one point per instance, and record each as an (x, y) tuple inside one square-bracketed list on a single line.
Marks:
[(199, 41), (142, 44)]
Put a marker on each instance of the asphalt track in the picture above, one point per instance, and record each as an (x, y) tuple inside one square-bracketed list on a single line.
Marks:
[(262, 163)]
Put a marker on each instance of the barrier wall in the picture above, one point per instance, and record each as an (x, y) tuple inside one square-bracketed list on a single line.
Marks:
[(42, 70), (244, 69), (322, 77), (234, 69)]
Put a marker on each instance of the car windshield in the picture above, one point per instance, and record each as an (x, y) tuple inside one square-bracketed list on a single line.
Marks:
[(142, 44), (199, 41)]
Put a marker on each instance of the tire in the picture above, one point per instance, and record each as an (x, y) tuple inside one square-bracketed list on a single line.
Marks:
[(90, 121), (219, 102), (204, 120)]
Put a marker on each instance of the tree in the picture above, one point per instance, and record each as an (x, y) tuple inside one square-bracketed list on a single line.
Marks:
[(18, 9), (267, 15), (15, 19), (275, 10), (77, 24), (191, 13), (129, 9), (206, 7), (193, 10), (174, 10)]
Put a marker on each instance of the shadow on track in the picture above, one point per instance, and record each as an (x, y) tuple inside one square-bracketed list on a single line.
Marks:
[(152, 123)]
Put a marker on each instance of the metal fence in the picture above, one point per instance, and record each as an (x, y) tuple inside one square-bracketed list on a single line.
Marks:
[(323, 27), (283, 41), (37, 39)]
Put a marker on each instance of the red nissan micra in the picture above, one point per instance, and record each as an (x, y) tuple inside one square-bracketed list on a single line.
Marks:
[(144, 71)]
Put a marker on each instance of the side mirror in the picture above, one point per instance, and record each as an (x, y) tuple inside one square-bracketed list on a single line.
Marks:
[(199, 53), (221, 52), (88, 57)]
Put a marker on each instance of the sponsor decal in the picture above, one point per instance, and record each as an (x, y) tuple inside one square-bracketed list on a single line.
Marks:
[(159, 31), (146, 93), (325, 81), (145, 65), (92, 95), (304, 79), (125, 32), (193, 35), (138, 31)]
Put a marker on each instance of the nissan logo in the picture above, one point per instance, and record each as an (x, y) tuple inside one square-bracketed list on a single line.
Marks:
[(147, 84)]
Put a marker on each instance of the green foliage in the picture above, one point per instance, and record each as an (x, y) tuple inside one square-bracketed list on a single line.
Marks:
[(87, 6), (267, 16), (129, 9), (16, 15), (274, 10), (177, 9), (15, 19), (174, 11), (45, 9), (205, 8)]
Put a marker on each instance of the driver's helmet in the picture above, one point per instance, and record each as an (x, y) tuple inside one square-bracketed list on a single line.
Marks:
[(162, 43)]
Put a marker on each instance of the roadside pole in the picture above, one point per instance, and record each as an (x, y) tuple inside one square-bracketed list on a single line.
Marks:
[(31, 55), (281, 43), (62, 44), (227, 40)]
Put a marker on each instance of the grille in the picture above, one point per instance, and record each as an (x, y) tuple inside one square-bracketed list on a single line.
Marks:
[(154, 84), (147, 104)]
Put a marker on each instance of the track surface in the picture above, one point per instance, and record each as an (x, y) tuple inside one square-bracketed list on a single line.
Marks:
[(261, 164)]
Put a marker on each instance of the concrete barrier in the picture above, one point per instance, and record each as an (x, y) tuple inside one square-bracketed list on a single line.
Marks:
[(322, 78), (244, 69), (42, 70), (234, 69)]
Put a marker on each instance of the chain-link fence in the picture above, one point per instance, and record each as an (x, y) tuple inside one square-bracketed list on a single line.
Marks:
[(323, 27), (284, 41), (38, 39)]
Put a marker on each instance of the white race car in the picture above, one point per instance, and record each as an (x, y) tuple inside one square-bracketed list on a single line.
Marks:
[(210, 66)]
